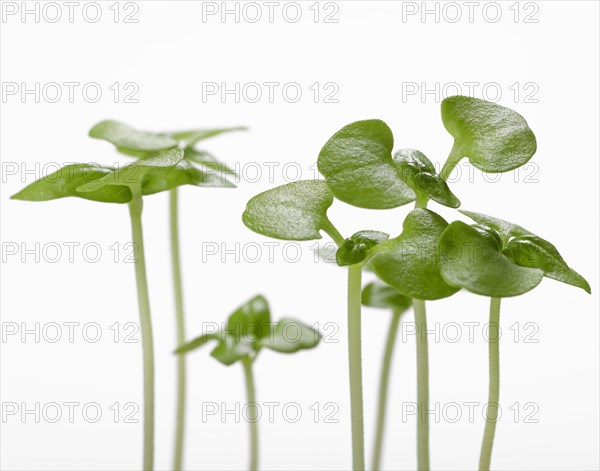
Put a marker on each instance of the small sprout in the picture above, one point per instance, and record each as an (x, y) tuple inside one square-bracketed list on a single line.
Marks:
[(122, 185), (410, 262), (419, 173), (356, 247), (198, 168), (494, 138), (248, 330), (358, 166), (296, 211)]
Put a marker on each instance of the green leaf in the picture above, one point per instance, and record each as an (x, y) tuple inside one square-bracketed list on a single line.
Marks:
[(469, 259), (229, 350), (290, 335), (251, 321), (133, 174), (410, 262), (66, 182), (295, 211), (189, 138), (505, 229), (206, 159), (528, 250), (355, 248), (381, 295), (197, 343), (419, 173), (494, 138), (358, 167), (163, 179), (131, 141)]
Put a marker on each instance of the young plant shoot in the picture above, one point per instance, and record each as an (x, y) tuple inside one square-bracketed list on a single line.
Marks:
[(498, 259), (359, 169), (248, 329), (379, 295), (160, 171), (142, 144)]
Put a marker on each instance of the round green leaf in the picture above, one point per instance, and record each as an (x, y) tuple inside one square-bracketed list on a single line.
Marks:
[(295, 211), (131, 141), (419, 173), (473, 260), (67, 181), (410, 262), (381, 295), (290, 335), (358, 167), (251, 321), (355, 248), (494, 138)]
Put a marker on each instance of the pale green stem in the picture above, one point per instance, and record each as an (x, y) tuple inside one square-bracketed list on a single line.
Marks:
[(331, 231), (451, 162), (383, 388), (494, 386), (422, 386), (135, 210), (180, 326), (422, 374), (252, 413), (355, 363)]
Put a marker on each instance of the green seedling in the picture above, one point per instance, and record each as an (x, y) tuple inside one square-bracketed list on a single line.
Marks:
[(360, 169), (248, 330), (379, 295), (161, 171), (498, 259), (210, 172)]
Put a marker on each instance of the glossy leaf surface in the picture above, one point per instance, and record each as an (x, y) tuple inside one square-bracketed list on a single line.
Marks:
[(295, 211), (358, 167), (473, 260), (189, 138), (528, 250), (410, 262), (492, 137), (419, 173), (356, 247)]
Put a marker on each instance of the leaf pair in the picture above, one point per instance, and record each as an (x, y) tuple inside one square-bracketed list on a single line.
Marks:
[(500, 259), (142, 144), (112, 185), (249, 329), (359, 169)]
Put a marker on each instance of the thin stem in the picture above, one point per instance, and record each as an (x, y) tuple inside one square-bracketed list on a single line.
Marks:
[(494, 391), (331, 231), (355, 362), (422, 386), (180, 325), (383, 388), (451, 162), (252, 413), (135, 210)]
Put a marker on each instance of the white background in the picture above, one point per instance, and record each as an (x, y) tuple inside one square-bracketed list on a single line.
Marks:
[(369, 53)]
